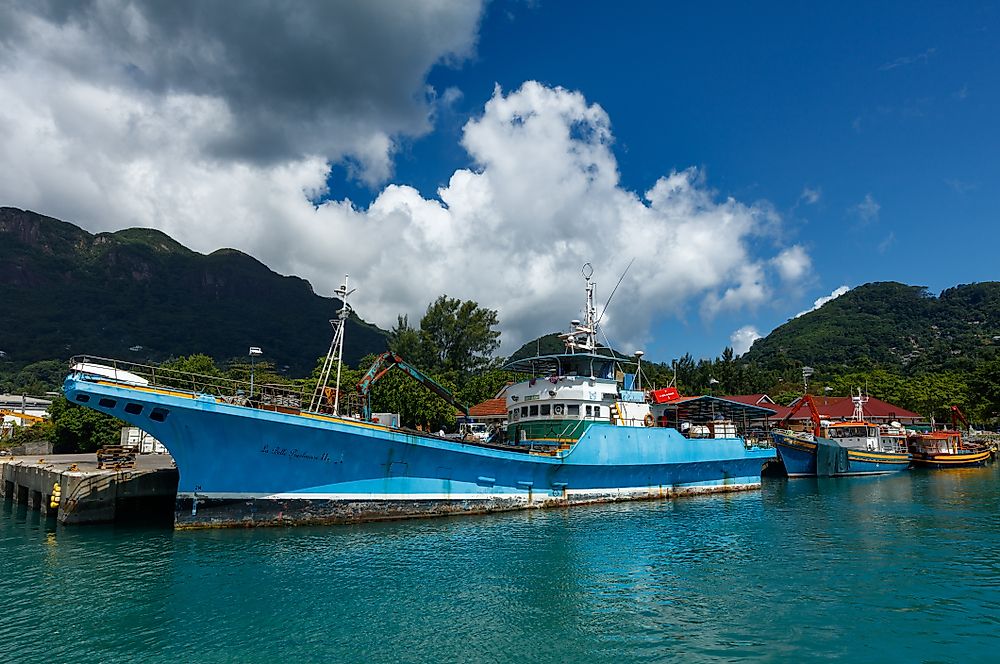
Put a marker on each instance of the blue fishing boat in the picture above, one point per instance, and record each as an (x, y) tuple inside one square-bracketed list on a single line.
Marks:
[(842, 449), (575, 435)]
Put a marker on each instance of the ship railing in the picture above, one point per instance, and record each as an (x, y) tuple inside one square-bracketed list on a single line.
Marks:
[(763, 441), (228, 390), (351, 406)]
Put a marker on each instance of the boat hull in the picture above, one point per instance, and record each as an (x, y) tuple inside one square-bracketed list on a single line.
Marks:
[(875, 463), (799, 456), (242, 466), (949, 460), (825, 458)]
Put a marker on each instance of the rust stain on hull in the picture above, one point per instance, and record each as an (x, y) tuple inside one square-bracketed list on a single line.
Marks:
[(260, 513)]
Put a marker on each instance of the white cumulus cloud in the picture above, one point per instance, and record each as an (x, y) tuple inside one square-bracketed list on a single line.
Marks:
[(793, 263), (742, 339), (837, 292), (120, 114)]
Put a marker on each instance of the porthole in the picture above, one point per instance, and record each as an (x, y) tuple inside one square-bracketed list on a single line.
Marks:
[(133, 409), (83, 398), (159, 414), (107, 403)]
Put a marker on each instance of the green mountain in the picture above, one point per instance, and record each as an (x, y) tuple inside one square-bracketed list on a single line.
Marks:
[(139, 295), (891, 325), (548, 344)]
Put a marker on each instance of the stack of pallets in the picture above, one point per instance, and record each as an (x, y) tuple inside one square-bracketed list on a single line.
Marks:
[(115, 457)]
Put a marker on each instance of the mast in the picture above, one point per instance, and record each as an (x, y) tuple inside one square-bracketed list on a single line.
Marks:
[(335, 354), (583, 336), (342, 315), (859, 406)]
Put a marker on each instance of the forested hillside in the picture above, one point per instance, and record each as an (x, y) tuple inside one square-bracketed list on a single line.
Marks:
[(890, 325), (137, 294)]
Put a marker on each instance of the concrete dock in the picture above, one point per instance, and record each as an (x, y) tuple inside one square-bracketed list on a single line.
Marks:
[(87, 494)]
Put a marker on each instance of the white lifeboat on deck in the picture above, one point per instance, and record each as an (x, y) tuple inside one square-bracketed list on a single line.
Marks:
[(104, 371)]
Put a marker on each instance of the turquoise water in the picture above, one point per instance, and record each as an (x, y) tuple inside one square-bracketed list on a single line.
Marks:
[(903, 568)]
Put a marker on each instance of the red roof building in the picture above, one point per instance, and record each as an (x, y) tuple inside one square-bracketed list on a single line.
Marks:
[(834, 409), (489, 410), (876, 410), (753, 399)]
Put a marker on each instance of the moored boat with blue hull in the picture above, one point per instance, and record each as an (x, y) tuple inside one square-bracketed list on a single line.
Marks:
[(247, 466), (270, 462), (842, 449), (824, 457)]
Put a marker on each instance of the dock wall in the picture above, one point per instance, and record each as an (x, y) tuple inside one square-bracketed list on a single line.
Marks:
[(87, 494)]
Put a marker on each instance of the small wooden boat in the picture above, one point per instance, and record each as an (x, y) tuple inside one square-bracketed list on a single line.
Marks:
[(946, 449)]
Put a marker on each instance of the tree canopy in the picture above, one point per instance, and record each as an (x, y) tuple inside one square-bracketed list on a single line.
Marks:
[(455, 338), (74, 428)]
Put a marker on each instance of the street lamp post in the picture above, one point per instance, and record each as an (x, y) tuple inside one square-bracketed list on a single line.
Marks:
[(806, 372), (254, 352)]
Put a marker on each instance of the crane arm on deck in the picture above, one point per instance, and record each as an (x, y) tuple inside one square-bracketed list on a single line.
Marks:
[(34, 419), (806, 400), (956, 415), (386, 361)]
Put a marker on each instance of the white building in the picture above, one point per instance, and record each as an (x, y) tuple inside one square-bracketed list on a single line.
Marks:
[(141, 442), (17, 410)]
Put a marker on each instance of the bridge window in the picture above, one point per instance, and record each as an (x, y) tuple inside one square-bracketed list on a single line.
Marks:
[(534, 411), (545, 409), (573, 409), (597, 411)]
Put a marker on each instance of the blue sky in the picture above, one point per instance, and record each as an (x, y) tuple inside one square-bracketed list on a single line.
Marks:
[(429, 148), (897, 103)]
